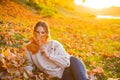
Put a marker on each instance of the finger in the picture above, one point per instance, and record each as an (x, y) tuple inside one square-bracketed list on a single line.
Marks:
[(42, 49)]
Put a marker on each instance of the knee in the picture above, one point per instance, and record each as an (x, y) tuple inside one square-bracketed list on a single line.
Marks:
[(76, 61), (73, 59)]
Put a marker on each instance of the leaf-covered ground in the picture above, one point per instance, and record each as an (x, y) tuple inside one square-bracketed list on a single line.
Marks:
[(96, 41)]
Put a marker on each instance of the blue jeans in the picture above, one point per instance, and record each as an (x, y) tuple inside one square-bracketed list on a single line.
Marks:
[(76, 71)]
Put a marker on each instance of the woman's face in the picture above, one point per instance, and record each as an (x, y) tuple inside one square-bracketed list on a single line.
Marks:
[(40, 34)]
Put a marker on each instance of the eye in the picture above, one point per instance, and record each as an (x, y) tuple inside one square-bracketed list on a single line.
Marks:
[(42, 32)]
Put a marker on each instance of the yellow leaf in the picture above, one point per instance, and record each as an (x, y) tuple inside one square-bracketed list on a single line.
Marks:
[(6, 52)]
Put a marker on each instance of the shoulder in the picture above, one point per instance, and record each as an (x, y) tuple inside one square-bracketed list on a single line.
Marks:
[(55, 42)]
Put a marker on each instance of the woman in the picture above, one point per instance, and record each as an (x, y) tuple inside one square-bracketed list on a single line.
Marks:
[(50, 57)]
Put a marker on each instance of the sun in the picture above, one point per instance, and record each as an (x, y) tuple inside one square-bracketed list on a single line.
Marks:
[(98, 4), (78, 2)]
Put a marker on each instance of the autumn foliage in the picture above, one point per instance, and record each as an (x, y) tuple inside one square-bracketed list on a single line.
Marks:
[(96, 41)]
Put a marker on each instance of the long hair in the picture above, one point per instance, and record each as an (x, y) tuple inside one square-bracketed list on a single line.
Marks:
[(34, 46)]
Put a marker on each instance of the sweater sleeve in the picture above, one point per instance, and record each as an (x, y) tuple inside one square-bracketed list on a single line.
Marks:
[(29, 61), (58, 55)]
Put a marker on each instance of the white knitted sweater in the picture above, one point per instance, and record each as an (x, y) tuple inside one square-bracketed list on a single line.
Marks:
[(52, 62)]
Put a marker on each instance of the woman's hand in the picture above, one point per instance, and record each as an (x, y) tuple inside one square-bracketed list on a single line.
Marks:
[(45, 51), (30, 74)]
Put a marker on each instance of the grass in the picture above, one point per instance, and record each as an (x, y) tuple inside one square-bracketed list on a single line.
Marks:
[(44, 10), (96, 41)]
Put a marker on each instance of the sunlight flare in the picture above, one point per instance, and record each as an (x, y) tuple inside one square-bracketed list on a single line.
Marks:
[(78, 2), (107, 17), (98, 4)]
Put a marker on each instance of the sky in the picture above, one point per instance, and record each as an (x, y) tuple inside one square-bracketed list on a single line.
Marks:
[(98, 4)]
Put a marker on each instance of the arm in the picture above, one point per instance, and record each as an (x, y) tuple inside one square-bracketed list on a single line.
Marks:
[(58, 54), (29, 61), (28, 69)]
